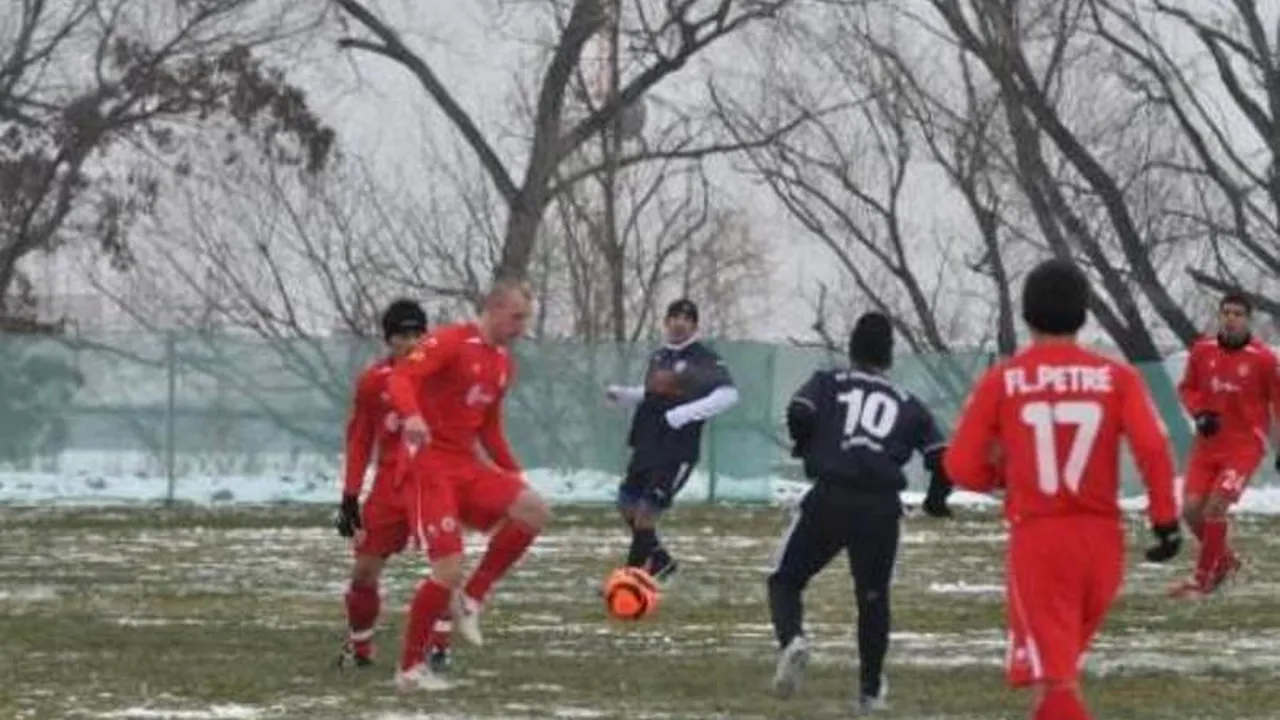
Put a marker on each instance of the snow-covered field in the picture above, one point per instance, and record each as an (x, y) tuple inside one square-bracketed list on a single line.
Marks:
[(82, 487), (234, 613)]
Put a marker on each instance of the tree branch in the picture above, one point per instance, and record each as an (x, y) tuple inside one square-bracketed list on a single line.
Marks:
[(392, 47)]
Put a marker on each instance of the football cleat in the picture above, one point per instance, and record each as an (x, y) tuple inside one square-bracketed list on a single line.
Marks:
[(418, 678), (868, 703), (1190, 588), (788, 676), (663, 568), (355, 655), (439, 661), (466, 618), (1226, 571)]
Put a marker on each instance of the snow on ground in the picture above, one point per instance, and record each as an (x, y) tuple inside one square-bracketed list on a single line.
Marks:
[(564, 486)]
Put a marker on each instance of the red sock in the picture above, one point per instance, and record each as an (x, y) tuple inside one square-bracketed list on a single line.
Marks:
[(441, 633), (1197, 529), (1061, 703), (363, 605), (505, 547), (1213, 547), (430, 602)]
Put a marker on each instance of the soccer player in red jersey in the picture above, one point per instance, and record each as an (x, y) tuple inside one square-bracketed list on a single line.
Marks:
[(450, 390), (1231, 387), (1046, 426), (380, 528)]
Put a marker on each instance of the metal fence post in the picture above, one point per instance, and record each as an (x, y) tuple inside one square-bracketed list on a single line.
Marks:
[(711, 464), (170, 416)]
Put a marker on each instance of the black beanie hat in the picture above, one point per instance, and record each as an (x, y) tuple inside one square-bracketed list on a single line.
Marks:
[(683, 307), (403, 316)]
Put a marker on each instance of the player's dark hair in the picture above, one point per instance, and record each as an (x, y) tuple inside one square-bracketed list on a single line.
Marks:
[(1055, 298), (871, 342), (1236, 298), (403, 316)]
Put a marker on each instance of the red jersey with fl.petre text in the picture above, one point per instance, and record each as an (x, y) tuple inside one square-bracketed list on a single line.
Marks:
[(1242, 386), (372, 427), (456, 381), (1046, 425)]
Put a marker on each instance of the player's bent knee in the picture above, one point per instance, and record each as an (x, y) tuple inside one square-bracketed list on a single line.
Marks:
[(1216, 507), (627, 513), (448, 571), (531, 510), (873, 596), (785, 581), (643, 517)]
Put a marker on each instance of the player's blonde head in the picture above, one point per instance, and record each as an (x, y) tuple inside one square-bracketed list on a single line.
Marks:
[(506, 310), (506, 289)]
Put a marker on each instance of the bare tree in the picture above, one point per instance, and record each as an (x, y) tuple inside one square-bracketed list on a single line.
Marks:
[(93, 91), (661, 43), (674, 238), (1228, 153), (1003, 37), (853, 178)]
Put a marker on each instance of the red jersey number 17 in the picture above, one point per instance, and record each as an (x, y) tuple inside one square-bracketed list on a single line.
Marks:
[(1045, 418)]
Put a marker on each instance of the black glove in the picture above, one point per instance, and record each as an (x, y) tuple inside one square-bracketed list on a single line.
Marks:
[(1207, 423), (1168, 542), (348, 518), (935, 499)]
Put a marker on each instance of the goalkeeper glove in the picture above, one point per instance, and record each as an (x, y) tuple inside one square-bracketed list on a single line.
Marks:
[(1168, 542), (1207, 423), (348, 518)]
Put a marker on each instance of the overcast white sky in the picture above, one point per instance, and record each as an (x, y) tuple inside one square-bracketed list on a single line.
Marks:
[(483, 51)]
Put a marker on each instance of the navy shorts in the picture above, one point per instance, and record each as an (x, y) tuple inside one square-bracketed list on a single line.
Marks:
[(654, 488)]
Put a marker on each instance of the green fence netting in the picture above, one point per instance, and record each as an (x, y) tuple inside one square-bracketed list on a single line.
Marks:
[(246, 418)]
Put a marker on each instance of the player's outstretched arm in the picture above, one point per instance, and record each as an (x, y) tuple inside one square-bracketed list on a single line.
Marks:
[(802, 413), (432, 356), (1149, 441), (1274, 391), (1189, 386), (967, 460), (1150, 444), (493, 436), (362, 430), (625, 395), (704, 408), (932, 447)]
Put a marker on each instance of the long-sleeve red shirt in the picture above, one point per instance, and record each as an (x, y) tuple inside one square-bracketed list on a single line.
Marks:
[(1242, 386), (1046, 425), (372, 425), (456, 381)]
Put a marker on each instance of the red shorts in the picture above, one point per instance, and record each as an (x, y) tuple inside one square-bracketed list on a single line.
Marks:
[(384, 519), (1224, 468), (450, 492), (1063, 575)]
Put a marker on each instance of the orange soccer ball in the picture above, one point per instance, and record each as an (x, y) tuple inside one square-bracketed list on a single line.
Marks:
[(630, 593)]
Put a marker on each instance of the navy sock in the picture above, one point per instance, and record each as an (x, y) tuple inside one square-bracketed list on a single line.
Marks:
[(643, 543), (786, 610)]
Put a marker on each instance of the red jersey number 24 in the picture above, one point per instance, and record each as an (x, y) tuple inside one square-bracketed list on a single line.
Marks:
[(1045, 418)]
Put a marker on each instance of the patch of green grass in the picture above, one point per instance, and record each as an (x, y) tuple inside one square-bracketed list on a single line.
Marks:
[(239, 611)]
